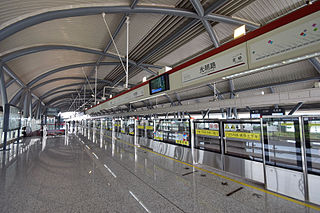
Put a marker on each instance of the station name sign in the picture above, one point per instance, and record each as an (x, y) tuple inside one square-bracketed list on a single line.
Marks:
[(215, 64)]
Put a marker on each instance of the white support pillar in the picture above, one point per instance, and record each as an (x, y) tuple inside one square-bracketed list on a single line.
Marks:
[(127, 62)]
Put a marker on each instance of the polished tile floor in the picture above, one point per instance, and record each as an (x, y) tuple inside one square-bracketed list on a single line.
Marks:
[(91, 173)]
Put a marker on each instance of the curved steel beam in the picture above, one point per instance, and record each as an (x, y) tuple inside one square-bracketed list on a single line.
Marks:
[(66, 78), (230, 20), (60, 69), (85, 11), (94, 10), (200, 11), (73, 66), (36, 49), (61, 87), (64, 96), (61, 91)]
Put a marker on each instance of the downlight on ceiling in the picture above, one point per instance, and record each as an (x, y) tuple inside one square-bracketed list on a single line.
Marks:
[(289, 61)]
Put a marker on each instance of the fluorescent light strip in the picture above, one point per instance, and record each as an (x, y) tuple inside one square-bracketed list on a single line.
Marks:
[(87, 147), (115, 176), (135, 197), (289, 61)]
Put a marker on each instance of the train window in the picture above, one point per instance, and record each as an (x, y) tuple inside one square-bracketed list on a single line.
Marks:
[(175, 131), (282, 142), (312, 136), (242, 139), (207, 135)]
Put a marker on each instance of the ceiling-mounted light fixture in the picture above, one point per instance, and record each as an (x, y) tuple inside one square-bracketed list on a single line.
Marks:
[(144, 79), (240, 31)]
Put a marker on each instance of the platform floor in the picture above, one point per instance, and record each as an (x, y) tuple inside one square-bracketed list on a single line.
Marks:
[(75, 174)]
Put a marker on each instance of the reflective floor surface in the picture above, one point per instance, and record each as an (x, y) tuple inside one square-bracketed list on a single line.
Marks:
[(74, 174)]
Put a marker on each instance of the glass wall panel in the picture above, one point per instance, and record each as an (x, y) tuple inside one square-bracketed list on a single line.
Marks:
[(175, 131), (242, 139), (207, 135), (312, 138), (282, 142)]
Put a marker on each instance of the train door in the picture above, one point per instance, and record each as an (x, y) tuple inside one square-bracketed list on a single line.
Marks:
[(284, 157), (311, 126)]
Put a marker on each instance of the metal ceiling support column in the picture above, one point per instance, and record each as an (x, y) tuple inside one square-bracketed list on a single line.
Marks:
[(21, 100), (170, 99), (10, 82), (222, 112), (178, 98), (215, 91), (206, 114), (30, 105), (23, 85), (25, 105), (127, 62), (231, 86), (315, 63), (39, 111), (295, 108), (3, 90), (235, 112), (271, 89), (200, 11), (4, 100)]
